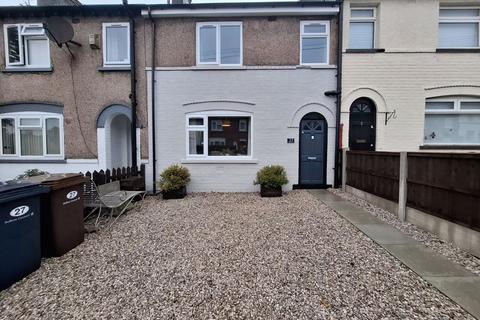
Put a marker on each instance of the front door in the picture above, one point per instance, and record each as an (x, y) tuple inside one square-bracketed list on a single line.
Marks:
[(313, 148), (362, 125)]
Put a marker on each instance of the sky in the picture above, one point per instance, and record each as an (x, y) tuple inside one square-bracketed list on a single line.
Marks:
[(33, 2)]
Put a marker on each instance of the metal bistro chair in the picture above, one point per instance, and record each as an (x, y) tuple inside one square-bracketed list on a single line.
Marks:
[(108, 196)]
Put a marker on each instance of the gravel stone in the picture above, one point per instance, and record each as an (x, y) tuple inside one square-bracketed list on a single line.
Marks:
[(447, 249), (227, 256)]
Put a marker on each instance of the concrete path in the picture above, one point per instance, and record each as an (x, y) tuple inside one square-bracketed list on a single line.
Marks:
[(451, 279)]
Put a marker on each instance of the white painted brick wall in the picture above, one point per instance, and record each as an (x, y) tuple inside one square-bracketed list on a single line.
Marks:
[(276, 94)]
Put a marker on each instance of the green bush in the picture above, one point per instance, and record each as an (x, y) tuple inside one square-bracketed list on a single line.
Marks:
[(174, 177), (272, 176), (31, 173)]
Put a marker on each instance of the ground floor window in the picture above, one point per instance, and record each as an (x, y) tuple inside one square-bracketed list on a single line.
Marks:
[(31, 135), (452, 121), (218, 135)]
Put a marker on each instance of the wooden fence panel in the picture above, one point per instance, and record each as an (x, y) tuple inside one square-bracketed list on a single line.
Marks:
[(102, 177), (374, 172), (446, 186)]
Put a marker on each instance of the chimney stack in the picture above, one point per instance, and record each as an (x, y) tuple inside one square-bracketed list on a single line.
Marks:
[(43, 3)]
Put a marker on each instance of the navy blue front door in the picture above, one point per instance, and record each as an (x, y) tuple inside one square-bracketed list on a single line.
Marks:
[(313, 148)]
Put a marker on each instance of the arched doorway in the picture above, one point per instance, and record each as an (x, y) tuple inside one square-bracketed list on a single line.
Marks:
[(313, 150), (114, 137), (362, 130), (120, 141)]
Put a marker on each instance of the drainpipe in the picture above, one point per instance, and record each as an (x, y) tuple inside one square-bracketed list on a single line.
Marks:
[(133, 84), (154, 153), (339, 93)]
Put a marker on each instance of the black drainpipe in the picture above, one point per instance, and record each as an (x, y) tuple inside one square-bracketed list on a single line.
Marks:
[(339, 94), (133, 84), (154, 153)]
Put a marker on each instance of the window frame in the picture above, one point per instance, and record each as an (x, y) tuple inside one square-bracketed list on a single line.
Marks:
[(459, 19), (23, 47), (204, 128), (218, 43), (303, 23), (106, 63), (372, 19), (457, 101), (43, 116)]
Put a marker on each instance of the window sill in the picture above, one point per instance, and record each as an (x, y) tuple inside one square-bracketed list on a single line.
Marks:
[(449, 147), (113, 69), (26, 70), (220, 161), (364, 50), (16, 160), (459, 50)]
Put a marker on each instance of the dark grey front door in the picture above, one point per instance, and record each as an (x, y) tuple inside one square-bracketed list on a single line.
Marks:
[(362, 125), (313, 134)]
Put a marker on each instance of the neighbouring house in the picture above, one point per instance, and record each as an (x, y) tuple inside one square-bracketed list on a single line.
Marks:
[(411, 75), (240, 86), (63, 112)]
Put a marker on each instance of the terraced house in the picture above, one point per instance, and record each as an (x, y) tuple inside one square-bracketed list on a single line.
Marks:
[(240, 86), (69, 108), (411, 75)]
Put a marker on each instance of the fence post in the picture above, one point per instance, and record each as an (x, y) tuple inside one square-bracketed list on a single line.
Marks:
[(344, 169), (402, 187)]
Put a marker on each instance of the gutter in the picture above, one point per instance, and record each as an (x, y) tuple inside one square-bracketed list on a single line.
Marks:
[(154, 151), (133, 84), (336, 182)]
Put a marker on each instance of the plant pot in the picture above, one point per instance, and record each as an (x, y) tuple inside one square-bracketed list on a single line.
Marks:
[(270, 191), (175, 194)]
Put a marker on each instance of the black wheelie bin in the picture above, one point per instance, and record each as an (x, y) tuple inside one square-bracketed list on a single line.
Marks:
[(62, 213), (20, 252)]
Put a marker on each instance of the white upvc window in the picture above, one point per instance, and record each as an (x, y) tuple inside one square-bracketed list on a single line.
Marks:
[(25, 135), (314, 42), (362, 28), (204, 139), (459, 28), (26, 46), (219, 43), (116, 44), (452, 121)]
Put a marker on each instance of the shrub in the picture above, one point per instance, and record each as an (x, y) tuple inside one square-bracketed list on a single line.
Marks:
[(174, 177), (272, 176), (31, 173)]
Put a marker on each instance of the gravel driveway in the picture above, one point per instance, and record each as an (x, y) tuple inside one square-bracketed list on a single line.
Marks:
[(227, 256)]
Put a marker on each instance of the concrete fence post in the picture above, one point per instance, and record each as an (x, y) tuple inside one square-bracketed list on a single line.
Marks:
[(402, 187), (344, 169)]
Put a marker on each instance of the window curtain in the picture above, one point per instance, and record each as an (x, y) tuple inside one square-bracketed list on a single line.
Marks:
[(31, 142), (8, 136), (53, 136), (117, 44), (361, 35)]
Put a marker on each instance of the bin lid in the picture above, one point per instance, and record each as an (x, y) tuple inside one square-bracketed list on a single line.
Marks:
[(59, 180), (17, 189)]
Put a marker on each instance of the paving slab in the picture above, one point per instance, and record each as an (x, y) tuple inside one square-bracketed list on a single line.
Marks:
[(425, 262), (385, 234), (358, 217), (463, 290), (344, 206), (326, 196)]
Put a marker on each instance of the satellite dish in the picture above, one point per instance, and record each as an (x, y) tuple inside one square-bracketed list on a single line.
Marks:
[(58, 30)]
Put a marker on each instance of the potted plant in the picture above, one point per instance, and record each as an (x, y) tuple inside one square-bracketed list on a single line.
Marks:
[(173, 182), (271, 179)]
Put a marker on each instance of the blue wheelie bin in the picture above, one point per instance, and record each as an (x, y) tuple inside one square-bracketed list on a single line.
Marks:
[(20, 248)]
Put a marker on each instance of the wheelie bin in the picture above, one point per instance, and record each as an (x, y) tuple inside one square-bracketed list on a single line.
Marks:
[(20, 252), (62, 226)]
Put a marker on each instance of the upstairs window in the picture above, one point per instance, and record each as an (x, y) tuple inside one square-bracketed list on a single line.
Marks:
[(116, 44), (452, 121), (314, 42), (458, 28), (362, 28), (26, 45), (25, 135), (219, 43)]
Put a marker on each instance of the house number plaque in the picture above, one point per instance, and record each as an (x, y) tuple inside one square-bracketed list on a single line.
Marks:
[(290, 140)]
